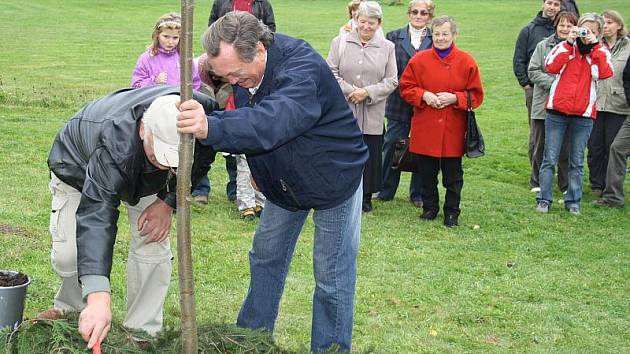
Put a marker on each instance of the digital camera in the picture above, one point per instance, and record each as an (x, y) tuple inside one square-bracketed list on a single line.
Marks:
[(581, 32)]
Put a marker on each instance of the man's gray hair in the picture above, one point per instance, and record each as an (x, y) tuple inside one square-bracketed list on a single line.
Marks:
[(439, 21), (370, 9), (240, 29)]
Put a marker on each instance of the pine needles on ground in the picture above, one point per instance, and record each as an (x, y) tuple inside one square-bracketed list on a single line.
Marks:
[(62, 336)]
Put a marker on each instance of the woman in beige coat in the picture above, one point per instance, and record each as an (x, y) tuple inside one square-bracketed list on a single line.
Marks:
[(365, 67)]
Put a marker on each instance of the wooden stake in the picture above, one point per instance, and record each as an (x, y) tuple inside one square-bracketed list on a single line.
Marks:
[(186, 145)]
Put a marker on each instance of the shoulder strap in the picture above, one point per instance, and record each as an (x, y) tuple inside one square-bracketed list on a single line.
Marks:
[(468, 101)]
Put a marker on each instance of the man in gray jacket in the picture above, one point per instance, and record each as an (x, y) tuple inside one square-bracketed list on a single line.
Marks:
[(539, 28), (120, 148)]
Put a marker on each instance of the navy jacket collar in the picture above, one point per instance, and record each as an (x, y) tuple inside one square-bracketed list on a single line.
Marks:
[(274, 55), (406, 41)]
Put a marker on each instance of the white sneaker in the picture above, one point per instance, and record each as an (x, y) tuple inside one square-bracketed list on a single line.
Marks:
[(542, 207), (574, 210), (535, 190)]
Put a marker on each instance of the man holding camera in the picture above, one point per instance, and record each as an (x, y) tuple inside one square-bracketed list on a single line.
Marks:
[(538, 29)]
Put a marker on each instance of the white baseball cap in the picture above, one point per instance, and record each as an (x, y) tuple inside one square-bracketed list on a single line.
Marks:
[(161, 119)]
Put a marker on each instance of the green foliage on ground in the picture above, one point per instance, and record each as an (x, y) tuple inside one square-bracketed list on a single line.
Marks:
[(522, 282), (62, 336)]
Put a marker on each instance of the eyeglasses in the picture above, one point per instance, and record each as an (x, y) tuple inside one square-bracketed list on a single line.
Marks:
[(416, 12)]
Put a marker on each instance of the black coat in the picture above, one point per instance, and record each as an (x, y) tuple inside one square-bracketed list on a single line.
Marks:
[(537, 30), (99, 152), (396, 108), (262, 10), (571, 6)]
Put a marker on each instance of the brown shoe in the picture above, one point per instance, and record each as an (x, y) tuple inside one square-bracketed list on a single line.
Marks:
[(201, 199), (51, 314), (248, 214), (258, 210)]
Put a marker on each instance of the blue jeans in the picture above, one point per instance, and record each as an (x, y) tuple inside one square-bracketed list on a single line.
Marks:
[(396, 130), (555, 126), (203, 187), (336, 242)]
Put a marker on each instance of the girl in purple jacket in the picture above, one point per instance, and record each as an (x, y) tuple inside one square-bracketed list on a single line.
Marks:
[(159, 64)]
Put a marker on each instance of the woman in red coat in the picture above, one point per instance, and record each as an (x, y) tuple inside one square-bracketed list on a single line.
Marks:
[(435, 83)]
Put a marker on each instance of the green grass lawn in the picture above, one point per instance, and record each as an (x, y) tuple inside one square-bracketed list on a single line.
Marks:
[(522, 282)]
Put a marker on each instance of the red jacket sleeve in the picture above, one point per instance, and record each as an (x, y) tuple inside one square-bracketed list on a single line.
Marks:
[(559, 55), (473, 86), (410, 89), (602, 59)]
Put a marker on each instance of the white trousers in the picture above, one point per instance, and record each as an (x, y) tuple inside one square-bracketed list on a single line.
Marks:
[(246, 195), (148, 265)]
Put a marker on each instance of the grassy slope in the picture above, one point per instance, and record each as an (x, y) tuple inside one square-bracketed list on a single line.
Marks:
[(566, 291)]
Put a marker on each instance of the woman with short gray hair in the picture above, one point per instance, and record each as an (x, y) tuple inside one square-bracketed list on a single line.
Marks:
[(365, 67), (438, 83), (352, 24)]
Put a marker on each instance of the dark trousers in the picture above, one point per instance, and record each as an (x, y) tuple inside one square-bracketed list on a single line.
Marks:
[(605, 129), (391, 178), (203, 186), (617, 162), (230, 167), (537, 143), (452, 180)]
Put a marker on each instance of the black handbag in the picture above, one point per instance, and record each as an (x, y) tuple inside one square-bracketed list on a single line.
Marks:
[(475, 146), (403, 159)]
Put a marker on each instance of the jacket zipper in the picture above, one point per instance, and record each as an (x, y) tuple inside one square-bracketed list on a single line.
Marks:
[(286, 188), (168, 180)]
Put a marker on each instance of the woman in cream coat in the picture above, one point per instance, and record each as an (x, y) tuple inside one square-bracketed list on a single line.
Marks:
[(365, 67)]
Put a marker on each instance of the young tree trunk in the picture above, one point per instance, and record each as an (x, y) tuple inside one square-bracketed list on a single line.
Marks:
[(186, 145)]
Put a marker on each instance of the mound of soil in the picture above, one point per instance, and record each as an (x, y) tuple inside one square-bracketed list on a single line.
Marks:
[(12, 279)]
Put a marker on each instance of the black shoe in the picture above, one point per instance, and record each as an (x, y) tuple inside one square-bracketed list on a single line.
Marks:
[(367, 206), (429, 215), (450, 220)]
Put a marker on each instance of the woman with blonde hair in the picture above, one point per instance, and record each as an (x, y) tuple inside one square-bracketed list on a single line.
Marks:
[(612, 108)]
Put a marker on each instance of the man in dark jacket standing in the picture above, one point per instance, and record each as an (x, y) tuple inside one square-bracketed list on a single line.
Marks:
[(114, 151), (305, 151), (541, 27), (261, 9), (571, 6)]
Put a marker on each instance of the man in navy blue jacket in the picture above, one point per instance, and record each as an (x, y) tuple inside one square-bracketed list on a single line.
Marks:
[(305, 151)]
